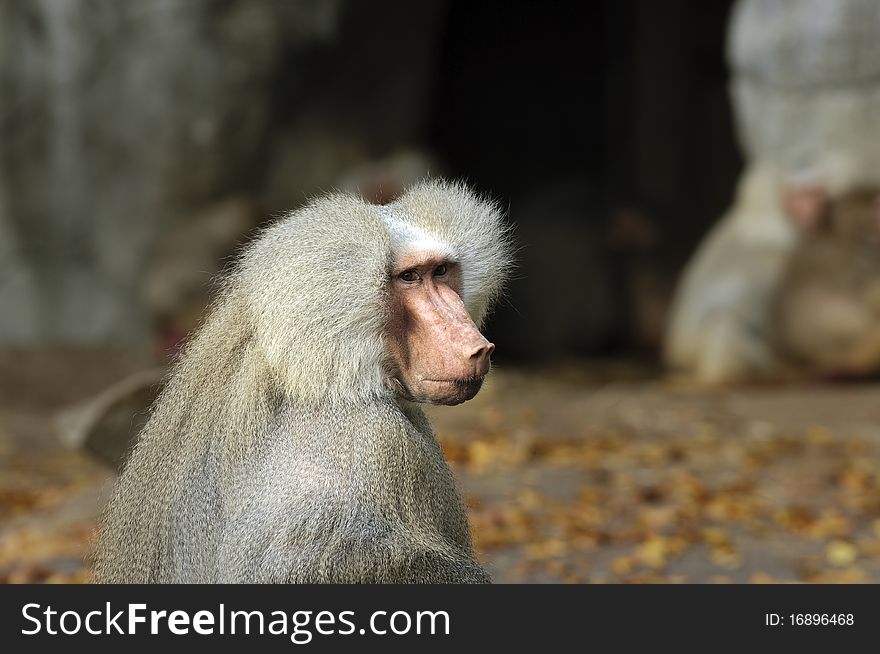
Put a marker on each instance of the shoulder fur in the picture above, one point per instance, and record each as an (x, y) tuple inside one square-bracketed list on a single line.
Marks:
[(315, 284)]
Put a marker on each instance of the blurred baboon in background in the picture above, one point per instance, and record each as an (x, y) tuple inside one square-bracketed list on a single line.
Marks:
[(827, 315), (806, 92)]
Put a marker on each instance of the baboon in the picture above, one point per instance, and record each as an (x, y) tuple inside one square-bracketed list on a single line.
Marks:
[(806, 122), (288, 445), (826, 317)]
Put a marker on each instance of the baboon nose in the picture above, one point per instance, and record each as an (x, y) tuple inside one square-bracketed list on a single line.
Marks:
[(482, 358)]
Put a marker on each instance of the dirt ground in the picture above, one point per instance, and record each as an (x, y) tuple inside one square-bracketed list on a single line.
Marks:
[(583, 473)]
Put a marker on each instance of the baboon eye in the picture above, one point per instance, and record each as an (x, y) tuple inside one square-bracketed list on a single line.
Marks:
[(440, 270), (409, 275)]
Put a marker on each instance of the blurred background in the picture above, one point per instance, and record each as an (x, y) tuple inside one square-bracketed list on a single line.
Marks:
[(686, 365)]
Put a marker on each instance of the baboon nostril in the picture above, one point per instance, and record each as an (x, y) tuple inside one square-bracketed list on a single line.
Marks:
[(483, 351), (481, 357)]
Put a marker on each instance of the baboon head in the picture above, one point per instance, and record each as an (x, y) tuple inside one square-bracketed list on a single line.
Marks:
[(449, 254), (349, 300)]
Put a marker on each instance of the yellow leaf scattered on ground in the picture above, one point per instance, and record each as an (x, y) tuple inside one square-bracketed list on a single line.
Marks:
[(840, 553)]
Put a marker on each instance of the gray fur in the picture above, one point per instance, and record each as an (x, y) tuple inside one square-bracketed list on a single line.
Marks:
[(277, 452)]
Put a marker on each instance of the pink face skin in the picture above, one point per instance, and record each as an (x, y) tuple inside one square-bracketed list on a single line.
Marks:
[(440, 356), (805, 206)]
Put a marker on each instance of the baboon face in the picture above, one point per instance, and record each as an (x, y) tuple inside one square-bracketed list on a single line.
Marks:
[(439, 355)]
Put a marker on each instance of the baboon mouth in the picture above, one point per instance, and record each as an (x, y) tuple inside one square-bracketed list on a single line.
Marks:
[(464, 382), (455, 391)]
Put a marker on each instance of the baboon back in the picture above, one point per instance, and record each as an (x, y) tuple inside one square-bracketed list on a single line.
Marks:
[(315, 504)]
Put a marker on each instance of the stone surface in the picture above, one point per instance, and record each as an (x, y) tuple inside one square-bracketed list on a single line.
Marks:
[(126, 125)]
